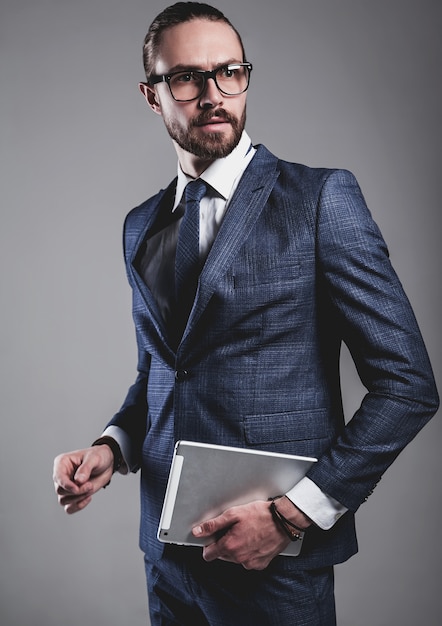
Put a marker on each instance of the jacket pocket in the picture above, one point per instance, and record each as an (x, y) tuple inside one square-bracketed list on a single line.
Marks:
[(290, 426), (265, 271)]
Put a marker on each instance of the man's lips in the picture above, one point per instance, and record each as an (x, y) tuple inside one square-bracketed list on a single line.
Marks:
[(213, 118), (213, 121)]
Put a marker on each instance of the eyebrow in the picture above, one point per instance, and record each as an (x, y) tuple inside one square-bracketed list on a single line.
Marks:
[(182, 68)]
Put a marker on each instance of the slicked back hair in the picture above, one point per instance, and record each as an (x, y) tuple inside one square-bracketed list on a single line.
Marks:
[(172, 16)]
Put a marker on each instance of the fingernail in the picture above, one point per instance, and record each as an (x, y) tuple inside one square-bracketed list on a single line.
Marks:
[(197, 530)]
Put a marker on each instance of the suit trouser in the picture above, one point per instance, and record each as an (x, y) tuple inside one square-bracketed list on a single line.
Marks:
[(185, 590)]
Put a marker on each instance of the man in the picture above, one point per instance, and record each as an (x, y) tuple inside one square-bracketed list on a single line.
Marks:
[(291, 265)]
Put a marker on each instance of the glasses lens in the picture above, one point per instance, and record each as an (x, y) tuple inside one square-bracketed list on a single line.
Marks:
[(186, 85), (232, 79)]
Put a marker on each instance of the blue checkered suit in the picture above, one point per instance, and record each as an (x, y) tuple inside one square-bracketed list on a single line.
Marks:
[(298, 267)]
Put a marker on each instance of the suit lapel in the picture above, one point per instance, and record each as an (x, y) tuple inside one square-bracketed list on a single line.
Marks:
[(148, 222), (244, 210)]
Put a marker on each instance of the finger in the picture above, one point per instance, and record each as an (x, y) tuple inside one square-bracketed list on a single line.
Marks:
[(70, 488), (218, 550), (96, 463), (74, 490), (83, 473), (213, 526), (65, 466), (213, 554), (77, 505), (256, 564), (68, 498)]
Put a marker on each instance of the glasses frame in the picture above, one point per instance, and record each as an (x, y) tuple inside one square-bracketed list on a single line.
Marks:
[(205, 75)]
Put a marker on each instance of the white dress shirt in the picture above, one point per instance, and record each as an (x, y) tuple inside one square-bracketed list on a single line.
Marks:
[(157, 266), (222, 176)]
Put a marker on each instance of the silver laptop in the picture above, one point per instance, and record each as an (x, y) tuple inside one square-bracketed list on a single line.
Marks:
[(207, 479)]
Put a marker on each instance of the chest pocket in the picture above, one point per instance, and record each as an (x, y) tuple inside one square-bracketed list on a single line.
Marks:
[(265, 270)]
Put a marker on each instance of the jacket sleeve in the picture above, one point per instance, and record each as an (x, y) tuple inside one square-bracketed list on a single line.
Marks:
[(133, 414), (369, 307)]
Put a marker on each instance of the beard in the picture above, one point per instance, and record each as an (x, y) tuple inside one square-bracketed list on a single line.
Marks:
[(212, 145)]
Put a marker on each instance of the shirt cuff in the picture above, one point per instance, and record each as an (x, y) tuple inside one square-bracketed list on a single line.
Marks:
[(322, 509), (122, 438)]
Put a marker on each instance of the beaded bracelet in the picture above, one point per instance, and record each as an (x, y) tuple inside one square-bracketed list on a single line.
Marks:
[(293, 532)]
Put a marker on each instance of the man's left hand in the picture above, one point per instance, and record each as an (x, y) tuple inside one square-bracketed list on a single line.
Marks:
[(247, 534)]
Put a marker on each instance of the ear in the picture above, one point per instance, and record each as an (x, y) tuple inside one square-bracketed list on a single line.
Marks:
[(150, 95)]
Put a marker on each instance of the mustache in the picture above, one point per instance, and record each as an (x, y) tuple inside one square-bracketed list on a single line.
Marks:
[(206, 116)]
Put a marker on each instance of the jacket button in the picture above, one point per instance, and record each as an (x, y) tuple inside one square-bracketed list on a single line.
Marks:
[(181, 375)]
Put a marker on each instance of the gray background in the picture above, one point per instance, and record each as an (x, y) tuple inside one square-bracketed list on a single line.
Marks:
[(346, 83)]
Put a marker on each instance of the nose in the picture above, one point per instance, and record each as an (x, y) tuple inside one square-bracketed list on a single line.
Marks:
[(211, 96)]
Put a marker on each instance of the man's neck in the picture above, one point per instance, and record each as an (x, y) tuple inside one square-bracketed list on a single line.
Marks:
[(191, 165)]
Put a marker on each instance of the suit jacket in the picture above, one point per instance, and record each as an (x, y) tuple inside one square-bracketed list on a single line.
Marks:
[(298, 266)]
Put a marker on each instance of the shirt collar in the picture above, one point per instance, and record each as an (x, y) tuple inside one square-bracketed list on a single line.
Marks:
[(222, 173)]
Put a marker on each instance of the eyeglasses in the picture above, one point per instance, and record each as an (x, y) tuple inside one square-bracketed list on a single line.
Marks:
[(186, 85)]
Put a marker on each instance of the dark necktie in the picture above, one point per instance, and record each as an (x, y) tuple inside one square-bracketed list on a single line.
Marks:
[(187, 263)]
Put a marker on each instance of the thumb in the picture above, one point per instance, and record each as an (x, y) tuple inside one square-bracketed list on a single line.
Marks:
[(212, 526), (83, 473)]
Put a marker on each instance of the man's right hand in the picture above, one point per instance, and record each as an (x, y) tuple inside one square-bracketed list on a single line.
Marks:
[(80, 474)]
